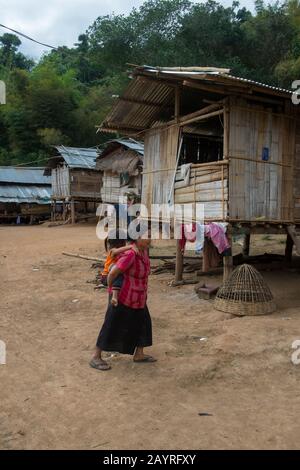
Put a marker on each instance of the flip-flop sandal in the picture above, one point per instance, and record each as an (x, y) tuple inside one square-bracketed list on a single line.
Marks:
[(99, 365), (146, 359)]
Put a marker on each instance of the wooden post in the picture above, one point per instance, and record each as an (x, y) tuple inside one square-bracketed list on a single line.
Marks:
[(226, 132), (228, 260), (64, 211), (179, 262), (54, 210), (177, 104), (289, 248), (73, 215), (246, 244)]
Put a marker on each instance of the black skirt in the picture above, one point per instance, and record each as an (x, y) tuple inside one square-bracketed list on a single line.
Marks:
[(125, 329)]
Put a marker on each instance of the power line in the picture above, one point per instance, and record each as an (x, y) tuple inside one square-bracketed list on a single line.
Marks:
[(34, 161), (27, 37)]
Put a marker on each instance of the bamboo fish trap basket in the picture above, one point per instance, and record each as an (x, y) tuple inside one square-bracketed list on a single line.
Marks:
[(245, 293)]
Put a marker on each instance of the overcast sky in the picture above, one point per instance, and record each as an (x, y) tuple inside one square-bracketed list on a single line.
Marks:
[(59, 22)]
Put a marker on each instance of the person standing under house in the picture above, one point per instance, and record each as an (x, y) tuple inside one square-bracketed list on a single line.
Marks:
[(127, 327)]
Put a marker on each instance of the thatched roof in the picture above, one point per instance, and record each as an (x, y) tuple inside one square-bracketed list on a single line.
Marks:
[(121, 156)]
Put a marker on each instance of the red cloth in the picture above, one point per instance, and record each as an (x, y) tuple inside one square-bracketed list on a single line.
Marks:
[(188, 233), (136, 269)]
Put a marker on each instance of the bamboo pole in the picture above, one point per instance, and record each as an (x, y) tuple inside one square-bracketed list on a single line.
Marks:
[(202, 117), (235, 157), (179, 262), (228, 260), (223, 195), (90, 258), (212, 164), (73, 215)]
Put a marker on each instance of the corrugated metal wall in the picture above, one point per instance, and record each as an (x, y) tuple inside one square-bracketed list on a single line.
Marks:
[(260, 189)]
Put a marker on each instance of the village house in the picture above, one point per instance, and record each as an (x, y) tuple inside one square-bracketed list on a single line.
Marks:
[(229, 143), (25, 194), (121, 164), (76, 183)]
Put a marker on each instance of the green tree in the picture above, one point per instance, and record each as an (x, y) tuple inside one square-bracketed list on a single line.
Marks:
[(9, 55)]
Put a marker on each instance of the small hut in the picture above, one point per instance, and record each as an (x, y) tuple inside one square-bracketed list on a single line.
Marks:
[(238, 139), (76, 182), (121, 162), (25, 194)]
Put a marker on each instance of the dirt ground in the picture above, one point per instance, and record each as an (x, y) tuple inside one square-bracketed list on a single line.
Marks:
[(241, 374)]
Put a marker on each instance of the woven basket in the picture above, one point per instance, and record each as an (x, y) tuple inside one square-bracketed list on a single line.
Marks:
[(245, 293)]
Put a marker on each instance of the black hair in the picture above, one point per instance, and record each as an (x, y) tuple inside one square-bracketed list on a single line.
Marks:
[(141, 228), (115, 239)]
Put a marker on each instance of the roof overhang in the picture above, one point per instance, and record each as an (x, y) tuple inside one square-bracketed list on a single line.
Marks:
[(151, 95)]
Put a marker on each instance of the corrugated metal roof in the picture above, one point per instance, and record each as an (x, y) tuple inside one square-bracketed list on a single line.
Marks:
[(25, 194), (187, 72), (122, 144), (131, 144), (140, 105), (23, 175), (150, 94), (78, 157)]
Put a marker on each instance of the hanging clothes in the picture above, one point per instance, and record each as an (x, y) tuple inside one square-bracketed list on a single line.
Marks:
[(195, 232), (185, 171), (188, 233), (217, 233)]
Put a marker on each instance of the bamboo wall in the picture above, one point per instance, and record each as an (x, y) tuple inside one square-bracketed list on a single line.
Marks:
[(60, 182), (208, 185), (243, 187), (260, 190), (297, 174), (159, 165), (79, 183), (85, 183), (111, 190)]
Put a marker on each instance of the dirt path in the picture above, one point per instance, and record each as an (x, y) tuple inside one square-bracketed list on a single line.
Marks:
[(50, 399)]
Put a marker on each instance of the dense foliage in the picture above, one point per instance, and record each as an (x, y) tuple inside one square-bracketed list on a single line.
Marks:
[(61, 99)]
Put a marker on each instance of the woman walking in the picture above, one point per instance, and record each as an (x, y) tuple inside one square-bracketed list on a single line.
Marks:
[(127, 327)]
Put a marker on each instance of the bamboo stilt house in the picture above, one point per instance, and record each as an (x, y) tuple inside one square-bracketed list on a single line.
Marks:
[(227, 142), (25, 194), (75, 181), (121, 162)]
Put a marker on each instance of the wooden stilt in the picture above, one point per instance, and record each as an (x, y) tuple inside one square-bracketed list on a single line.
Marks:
[(228, 260), (54, 210), (289, 248), (179, 263), (73, 215), (64, 211), (246, 244)]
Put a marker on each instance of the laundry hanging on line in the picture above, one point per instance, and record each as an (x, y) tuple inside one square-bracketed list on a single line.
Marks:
[(196, 232)]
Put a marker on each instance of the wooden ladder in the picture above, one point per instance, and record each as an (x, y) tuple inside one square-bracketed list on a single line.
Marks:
[(294, 233)]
